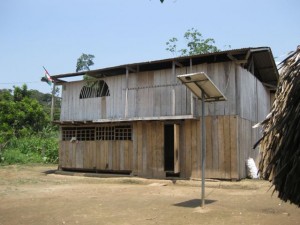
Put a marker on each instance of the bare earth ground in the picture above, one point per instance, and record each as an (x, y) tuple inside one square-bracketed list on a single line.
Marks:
[(35, 195)]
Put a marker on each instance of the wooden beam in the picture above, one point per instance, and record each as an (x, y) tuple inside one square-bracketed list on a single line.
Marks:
[(146, 118), (237, 61), (247, 55), (178, 64), (270, 86), (131, 69), (250, 67)]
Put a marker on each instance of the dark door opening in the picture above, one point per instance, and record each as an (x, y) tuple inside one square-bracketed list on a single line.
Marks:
[(169, 147)]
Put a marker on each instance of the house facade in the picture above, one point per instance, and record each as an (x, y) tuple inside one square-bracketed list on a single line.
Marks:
[(140, 119)]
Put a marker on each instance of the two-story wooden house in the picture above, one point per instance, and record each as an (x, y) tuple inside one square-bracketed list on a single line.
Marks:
[(140, 119)]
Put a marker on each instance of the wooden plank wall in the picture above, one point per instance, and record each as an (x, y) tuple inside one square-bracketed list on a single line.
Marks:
[(150, 94), (224, 76), (253, 98), (148, 149), (96, 155), (221, 148), (253, 101), (144, 156), (247, 137), (229, 141), (158, 93)]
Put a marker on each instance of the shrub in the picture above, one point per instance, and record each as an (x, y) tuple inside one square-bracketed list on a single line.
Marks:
[(35, 148)]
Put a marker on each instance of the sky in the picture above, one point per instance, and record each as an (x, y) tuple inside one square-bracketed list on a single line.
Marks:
[(54, 33)]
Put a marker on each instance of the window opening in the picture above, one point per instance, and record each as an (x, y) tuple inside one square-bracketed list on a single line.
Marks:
[(94, 90), (123, 133), (105, 133), (100, 133), (68, 133), (85, 134)]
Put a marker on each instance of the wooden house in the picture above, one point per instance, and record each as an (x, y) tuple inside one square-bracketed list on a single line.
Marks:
[(140, 119)]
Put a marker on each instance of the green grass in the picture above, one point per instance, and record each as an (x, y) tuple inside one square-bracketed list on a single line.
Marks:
[(31, 149)]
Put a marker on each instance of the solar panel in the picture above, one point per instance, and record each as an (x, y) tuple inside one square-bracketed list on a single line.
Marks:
[(200, 83)]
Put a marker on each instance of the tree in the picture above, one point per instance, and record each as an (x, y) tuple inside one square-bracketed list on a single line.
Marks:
[(19, 114), (46, 99), (84, 62), (5, 94), (21, 92), (196, 44)]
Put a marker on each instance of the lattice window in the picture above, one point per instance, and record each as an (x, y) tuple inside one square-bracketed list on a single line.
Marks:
[(123, 133), (114, 133), (68, 133), (105, 133), (78, 133), (85, 133), (100, 133), (94, 89)]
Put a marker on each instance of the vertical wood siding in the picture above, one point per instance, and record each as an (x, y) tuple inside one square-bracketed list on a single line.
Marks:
[(221, 148), (144, 155), (252, 97), (229, 133), (96, 155), (159, 93), (229, 141), (148, 148)]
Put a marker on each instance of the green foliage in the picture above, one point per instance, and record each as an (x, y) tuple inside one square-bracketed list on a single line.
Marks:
[(84, 62), (172, 45), (37, 148), (20, 115), (45, 101), (14, 156), (21, 93), (5, 95), (25, 133), (196, 44)]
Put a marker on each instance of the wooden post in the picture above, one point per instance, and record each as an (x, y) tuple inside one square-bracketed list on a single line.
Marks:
[(173, 100), (52, 103), (126, 92), (192, 99)]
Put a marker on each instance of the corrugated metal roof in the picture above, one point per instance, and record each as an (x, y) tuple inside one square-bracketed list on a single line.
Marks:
[(261, 58)]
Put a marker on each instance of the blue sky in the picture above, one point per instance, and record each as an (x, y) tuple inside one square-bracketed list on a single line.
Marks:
[(54, 33)]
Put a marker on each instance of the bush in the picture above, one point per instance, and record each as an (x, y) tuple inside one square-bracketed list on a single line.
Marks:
[(36, 148), (15, 156)]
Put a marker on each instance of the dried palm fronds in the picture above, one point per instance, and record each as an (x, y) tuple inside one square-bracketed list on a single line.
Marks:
[(280, 145)]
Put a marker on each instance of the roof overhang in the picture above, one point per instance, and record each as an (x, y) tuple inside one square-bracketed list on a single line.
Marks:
[(259, 61), (121, 120)]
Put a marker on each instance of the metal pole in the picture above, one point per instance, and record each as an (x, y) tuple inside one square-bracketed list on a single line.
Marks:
[(203, 151)]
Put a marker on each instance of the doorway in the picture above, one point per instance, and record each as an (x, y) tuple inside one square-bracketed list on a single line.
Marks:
[(171, 148)]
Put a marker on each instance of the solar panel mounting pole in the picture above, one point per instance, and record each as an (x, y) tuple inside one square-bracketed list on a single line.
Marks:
[(204, 88), (203, 151)]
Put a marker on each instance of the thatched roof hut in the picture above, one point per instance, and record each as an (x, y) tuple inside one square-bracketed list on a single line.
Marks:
[(280, 162)]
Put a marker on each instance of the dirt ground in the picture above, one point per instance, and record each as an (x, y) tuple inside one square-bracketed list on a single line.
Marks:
[(36, 195)]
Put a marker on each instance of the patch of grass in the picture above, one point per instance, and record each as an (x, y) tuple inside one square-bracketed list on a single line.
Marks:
[(31, 149), (15, 156)]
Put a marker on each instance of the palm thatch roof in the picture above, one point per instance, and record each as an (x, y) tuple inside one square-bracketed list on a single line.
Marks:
[(280, 162)]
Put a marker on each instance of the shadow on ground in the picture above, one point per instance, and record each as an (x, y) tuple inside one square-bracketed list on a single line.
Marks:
[(193, 203), (49, 172)]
